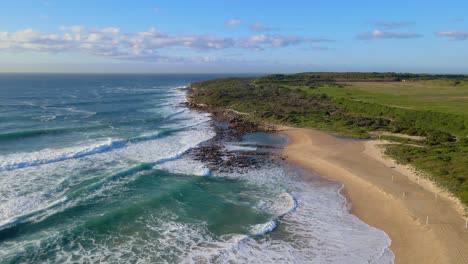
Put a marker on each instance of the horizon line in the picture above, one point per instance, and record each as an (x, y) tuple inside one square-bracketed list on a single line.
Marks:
[(224, 73)]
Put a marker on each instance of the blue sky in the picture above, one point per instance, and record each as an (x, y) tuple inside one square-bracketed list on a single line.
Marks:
[(233, 36)]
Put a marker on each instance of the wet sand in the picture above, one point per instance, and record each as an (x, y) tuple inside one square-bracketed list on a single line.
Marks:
[(425, 225)]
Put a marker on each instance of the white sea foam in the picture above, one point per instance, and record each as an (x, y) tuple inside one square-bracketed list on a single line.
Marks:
[(28, 159), (262, 229), (74, 110), (38, 186), (237, 147), (186, 166), (174, 114), (166, 241), (45, 118), (45, 156), (315, 224), (19, 208), (284, 203), (310, 221), (29, 182), (60, 110)]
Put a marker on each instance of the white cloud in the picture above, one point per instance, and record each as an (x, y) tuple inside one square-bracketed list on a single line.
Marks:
[(258, 42), (29, 39), (107, 30), (380, 34), (453, 35), (143, 46), (233, 23)]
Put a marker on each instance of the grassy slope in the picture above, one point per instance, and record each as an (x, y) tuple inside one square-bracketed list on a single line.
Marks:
[(354, 104), (417, 95)]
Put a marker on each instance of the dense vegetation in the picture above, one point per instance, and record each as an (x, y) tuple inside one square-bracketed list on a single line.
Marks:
[(355, 104), (278, 104), (446, 164), (333, 77)]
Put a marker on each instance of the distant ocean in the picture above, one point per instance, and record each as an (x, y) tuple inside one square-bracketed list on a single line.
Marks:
[(97, 168)]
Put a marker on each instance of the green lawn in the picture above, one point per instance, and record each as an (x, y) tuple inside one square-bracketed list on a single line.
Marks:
[(438, 96)]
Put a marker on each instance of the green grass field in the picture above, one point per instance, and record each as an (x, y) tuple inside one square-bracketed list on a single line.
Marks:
[(433, 108), (446, 164), (434, 95)]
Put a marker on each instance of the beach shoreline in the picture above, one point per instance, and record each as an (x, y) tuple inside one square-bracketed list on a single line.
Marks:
[(425, 225)]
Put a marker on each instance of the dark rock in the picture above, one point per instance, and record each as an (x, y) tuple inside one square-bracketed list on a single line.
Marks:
[(229, 125)]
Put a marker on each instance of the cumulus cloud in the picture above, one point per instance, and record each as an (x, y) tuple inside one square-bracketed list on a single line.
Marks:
[(143, 46), (453, 35), (29, 39), (258, 42), (380, 34), (233, 23), (107, 30), (393, 24)]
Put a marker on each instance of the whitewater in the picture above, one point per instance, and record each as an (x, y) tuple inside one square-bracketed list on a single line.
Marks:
[(98, 168)]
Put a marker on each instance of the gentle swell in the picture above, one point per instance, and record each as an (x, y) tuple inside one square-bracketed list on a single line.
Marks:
[(40, 132)]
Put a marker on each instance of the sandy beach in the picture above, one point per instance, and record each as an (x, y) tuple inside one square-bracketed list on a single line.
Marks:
[(425, 225)]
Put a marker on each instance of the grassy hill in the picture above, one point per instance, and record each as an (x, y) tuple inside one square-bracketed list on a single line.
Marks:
[(433, 107)]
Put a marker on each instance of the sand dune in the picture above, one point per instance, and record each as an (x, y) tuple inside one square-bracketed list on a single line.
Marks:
[(424, 227)]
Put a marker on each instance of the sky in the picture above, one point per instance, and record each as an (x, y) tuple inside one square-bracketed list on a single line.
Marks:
[(233, 36)]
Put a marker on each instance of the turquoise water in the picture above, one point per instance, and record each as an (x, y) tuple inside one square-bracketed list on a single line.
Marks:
[(95, 168)]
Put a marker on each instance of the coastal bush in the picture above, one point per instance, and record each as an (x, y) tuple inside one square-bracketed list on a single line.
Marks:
[(283, 105), (288, 99), (446, 164)]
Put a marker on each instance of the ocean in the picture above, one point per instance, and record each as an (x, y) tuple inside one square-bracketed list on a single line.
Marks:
[(100, 168)]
